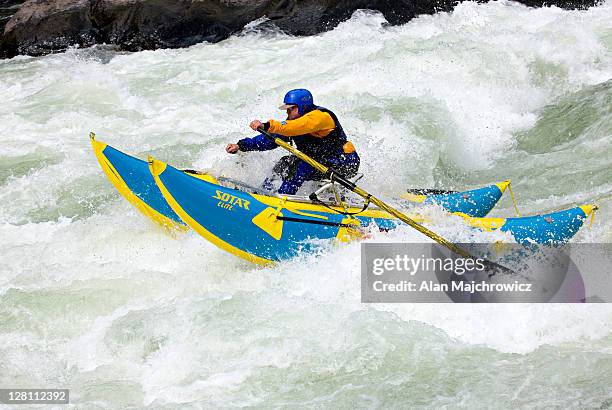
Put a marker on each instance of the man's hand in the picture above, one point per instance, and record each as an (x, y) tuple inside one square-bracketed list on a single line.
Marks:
[(232, 148), (255, 124)]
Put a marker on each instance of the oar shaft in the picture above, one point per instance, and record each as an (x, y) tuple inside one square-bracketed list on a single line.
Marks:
[(361, 192), (427, 232)]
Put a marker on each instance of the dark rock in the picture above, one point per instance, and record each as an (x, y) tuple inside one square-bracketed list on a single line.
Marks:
[(150, 24), (7, 9), (315, 16), (44, 26), (565, 4)]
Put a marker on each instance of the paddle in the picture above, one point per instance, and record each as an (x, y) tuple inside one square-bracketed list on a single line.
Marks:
[(336, 177)]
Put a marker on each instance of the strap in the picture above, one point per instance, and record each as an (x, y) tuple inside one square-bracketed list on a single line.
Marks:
[(592, 218), (513, 200), (314, 222)]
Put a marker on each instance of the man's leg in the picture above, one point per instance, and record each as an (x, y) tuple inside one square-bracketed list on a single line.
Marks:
[(304, 172), (284, 168)]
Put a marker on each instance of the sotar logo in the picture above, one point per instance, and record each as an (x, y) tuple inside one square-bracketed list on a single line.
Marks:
[(228, 201)]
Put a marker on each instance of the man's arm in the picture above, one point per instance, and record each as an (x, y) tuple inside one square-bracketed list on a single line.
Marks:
[(312, 122), (257, 143)]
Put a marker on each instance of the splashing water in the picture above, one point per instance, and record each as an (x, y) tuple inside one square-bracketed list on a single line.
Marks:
[(96, 299)]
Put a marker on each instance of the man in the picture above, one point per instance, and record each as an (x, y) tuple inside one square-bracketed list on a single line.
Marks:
[(315, 131)]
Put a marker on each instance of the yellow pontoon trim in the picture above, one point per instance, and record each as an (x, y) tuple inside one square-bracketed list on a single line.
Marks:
[(157, 168), (124, 190)]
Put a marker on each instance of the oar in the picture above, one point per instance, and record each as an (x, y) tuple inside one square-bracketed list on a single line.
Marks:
[(336, 177)]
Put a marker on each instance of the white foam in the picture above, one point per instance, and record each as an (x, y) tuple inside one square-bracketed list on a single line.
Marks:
[(109, 298)]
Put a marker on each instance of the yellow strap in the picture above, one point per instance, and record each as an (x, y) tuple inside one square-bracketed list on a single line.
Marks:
[(513, 200), (592, 218), (280, 206), (297, 211)]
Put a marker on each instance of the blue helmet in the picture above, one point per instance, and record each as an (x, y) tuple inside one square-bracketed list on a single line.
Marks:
[(300, 97)]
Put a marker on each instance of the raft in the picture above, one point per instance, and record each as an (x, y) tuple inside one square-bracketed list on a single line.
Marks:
[(264, 229)]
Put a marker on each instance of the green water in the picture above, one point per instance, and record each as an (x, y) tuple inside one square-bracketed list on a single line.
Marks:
[(95, 298)]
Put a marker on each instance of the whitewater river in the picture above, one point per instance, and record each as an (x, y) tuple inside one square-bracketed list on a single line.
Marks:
[(97, 299)]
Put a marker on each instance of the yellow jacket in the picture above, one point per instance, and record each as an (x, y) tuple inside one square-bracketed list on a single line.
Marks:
[(317, 123)]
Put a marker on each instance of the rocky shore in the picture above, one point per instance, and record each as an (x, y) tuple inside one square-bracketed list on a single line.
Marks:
[(37, 27), (7, 9)]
